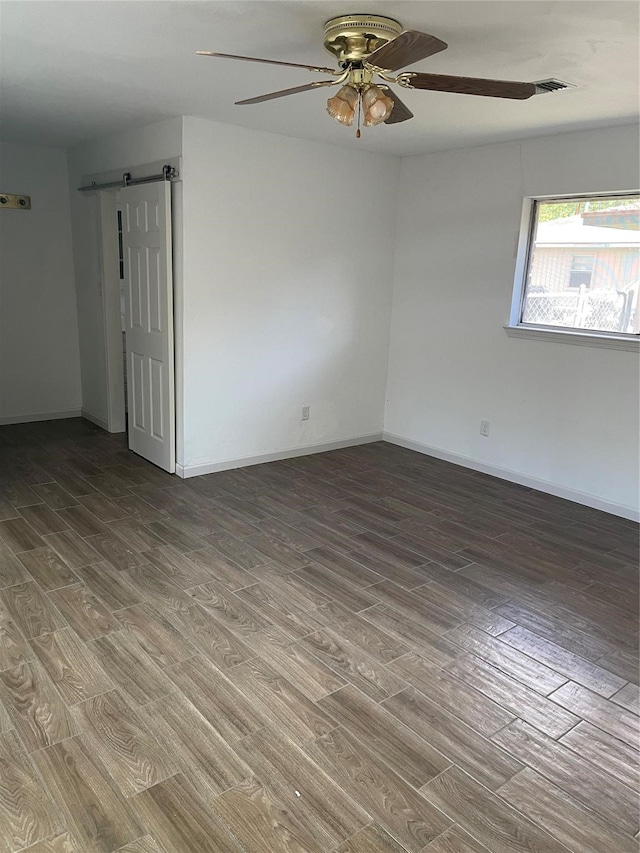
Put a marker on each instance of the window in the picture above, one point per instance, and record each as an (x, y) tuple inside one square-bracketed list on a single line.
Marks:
[(579, 268)]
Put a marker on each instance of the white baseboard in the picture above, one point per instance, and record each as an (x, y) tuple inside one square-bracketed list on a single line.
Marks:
[(549, 488), (95, 419), (244, 461), (41, 416)]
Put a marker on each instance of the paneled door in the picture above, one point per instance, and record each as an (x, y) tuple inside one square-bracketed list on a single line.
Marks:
[(146, 239)]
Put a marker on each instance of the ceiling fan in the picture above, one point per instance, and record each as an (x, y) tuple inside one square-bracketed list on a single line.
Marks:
[(370, 46)]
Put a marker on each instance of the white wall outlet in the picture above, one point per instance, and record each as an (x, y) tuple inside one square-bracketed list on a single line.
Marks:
[(485, 427), (305, 413)]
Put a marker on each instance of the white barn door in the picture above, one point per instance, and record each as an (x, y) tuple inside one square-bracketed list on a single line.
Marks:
[(146, 238)]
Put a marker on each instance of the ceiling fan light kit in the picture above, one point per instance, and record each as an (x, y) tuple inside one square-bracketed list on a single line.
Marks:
[(373, 46)]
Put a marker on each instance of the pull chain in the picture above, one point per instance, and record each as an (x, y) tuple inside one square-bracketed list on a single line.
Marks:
[(359, 104)]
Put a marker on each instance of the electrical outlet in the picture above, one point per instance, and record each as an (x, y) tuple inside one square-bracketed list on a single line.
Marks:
[(485, 427), (305, 413)]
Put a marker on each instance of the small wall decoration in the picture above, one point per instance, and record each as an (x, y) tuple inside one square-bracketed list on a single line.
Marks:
[(11, 201)]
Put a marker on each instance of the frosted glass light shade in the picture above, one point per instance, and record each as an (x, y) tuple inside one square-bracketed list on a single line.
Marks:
[(342, 107), (376, 105)]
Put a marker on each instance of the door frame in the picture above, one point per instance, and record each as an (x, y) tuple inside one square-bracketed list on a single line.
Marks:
[(107, 208)]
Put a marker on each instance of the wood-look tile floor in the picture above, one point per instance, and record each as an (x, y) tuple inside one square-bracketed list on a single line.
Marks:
[(364, 651)]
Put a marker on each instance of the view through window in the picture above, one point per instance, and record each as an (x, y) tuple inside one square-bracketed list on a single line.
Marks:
[(584, 264)]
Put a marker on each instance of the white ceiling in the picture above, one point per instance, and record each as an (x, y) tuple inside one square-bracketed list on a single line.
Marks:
[(73, 71)]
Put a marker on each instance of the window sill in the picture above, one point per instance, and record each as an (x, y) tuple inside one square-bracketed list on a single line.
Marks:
[(630, 343)]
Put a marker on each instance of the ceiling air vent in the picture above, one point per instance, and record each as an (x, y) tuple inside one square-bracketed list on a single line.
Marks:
[(551, 85)]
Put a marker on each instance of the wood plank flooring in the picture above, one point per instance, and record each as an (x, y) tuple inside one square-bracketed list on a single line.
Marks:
[(363, 651)]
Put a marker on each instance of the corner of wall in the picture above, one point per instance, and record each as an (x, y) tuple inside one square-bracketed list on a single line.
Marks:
[(396, 212)]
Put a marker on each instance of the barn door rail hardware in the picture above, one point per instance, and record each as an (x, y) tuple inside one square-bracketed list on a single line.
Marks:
[(169, 173)]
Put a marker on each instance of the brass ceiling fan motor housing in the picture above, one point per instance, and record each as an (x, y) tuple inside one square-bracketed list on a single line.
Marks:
[(352, 38)]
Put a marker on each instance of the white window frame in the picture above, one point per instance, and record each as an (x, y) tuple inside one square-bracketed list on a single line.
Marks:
[(558, 334)]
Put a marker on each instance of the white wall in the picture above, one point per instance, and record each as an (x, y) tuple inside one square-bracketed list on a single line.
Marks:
[(567, 415), (39, 358), (288, 264), (109, 156)]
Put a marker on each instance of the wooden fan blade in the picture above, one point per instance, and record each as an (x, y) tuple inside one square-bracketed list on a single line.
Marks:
[(400, 111), (472, 86), (284, 92), (268, 61), (410, 46)]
